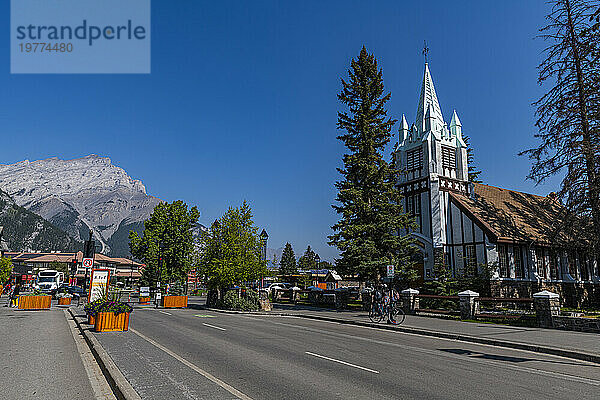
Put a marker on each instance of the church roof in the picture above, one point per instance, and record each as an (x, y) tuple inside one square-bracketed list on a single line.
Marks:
[(508, 215), (428, 98)]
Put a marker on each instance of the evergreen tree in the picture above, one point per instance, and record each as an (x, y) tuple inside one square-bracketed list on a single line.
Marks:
[(167, 242), (308, 260), (371, 231), (473, 171), (568, 118), (232, 250), (288, 261)]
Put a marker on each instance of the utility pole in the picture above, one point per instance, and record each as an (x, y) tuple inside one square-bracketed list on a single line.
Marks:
[(89, 250)]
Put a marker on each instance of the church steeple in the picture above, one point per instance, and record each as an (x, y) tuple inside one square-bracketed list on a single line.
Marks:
[(427, 99), (455, 126), (404, 130)]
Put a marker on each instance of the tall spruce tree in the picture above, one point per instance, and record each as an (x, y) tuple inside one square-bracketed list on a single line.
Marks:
[(370, 231), (473, 171), (568, 118), (288, 261)]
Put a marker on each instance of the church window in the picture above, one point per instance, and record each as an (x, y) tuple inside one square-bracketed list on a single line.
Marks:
[(572, 264), (471, 260), (584, 263), (414, 159), (448, 157), (519, 270), (540, 261), (553, 265), (503, 260)]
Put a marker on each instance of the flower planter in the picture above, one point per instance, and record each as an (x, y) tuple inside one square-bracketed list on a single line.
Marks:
[(34, 302), (91, 320), (64, 301), (174, 301), (109, 322), (144, 300)]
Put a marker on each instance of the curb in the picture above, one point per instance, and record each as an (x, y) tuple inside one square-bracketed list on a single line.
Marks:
[(117, 381), (464, 338)]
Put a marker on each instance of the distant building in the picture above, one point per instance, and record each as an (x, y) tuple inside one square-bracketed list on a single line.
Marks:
[(473, 224), (26, 265)]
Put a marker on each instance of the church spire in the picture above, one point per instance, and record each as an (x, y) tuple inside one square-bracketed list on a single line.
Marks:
[(428, 98), (404, 129)]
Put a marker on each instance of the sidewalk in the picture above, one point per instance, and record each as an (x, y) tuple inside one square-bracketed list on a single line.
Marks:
[(39, 357), (578, 345)]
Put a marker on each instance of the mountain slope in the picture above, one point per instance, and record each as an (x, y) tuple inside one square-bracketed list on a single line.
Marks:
[(26, 231), (81, 194)]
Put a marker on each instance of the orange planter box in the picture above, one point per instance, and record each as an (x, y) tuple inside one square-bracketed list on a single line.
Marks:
[(91, 320), (144, 300), (109, 322), (34, 302), (174, 301), (64, 301)]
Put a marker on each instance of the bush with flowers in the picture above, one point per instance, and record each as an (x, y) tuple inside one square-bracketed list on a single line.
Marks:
[(105, 305)]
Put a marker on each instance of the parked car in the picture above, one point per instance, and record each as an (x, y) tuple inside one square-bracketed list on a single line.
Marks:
[(74, 290)]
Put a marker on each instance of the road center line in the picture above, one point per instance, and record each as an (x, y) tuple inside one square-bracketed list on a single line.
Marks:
[(341, 362), (194, 367), (212, 326), (164, 312)]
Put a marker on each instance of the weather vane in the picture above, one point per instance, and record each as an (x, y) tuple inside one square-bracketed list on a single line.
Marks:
[(425, 50)]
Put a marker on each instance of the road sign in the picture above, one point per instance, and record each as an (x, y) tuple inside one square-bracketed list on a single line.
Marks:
[(99, 287), (144, 291), (390, 271), (88, 262)]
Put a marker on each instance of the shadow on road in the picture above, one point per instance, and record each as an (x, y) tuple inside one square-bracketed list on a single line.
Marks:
[(495, 357)]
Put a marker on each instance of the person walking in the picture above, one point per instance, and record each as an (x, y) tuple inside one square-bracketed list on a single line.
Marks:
[(15, 295)]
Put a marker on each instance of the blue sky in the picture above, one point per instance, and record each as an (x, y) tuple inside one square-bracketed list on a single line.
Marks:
[(241, 102)]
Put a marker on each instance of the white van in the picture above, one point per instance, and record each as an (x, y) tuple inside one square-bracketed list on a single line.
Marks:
[(49, 281)]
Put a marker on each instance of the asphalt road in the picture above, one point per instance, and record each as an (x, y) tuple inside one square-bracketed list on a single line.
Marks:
[(200, 354)]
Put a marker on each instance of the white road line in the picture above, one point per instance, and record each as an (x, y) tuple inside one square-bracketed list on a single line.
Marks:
[(341, 362), (212, 326), (439, 353), (194, 367), (164, 312)]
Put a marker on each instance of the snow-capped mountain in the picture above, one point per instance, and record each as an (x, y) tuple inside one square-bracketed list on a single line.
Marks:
[(81, 194)]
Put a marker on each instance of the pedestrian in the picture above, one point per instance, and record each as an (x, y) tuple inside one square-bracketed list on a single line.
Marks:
[(8, 292), (15, 295)]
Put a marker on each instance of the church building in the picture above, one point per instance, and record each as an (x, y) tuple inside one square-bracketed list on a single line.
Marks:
[(473, 225)]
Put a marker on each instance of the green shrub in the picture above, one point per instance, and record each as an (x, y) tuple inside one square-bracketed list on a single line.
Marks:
[(249, 302)]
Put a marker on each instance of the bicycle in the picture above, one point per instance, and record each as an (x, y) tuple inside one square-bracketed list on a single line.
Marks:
[(386, 308)]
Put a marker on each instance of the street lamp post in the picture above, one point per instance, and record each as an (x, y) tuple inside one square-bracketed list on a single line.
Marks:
[(263, 241), (317, 261)]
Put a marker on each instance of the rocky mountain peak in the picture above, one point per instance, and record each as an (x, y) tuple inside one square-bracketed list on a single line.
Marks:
[(79, 194)]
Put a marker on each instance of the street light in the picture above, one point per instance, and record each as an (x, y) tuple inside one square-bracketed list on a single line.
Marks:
[(263, 240)]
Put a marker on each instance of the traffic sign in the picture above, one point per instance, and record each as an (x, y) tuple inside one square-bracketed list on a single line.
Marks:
[(145, 291), (99, 286), (390, 271), (88, 262)]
